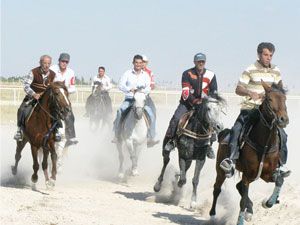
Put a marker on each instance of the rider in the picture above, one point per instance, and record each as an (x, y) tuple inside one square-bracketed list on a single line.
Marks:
[(197, 83), (132, 80), (104, 80), (149, 100), (66, 74), (35, 83), (250, 87)]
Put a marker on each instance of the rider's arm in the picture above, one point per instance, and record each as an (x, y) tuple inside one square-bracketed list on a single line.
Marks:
[(242, 89), (107, 85), (27, 82), (123, 84), (71, 84), (186, 86), (147, 88)]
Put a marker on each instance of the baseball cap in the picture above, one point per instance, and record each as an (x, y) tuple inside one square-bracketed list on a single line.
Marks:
[(64, 57), (199, 57), (145, 58)]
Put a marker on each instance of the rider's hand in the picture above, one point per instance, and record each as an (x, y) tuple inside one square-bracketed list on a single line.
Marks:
[(254, 95), (36, 96), (133, 90)]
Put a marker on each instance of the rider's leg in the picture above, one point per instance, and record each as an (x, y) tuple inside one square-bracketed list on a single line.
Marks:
[(21, 115), (70, 129), (283, 153), (169, 140), (152, 131), (150, 103), (228, 163), (116, 128)]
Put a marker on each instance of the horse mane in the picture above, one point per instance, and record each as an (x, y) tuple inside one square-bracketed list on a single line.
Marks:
[(276, 87)]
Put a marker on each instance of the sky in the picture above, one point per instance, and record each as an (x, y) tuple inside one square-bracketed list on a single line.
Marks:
[(169, 32)]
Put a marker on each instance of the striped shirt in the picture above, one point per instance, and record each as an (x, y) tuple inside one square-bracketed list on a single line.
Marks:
[(28, 79), (251, 80)]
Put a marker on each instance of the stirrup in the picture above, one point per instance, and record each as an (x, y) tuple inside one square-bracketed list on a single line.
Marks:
[(228, 166), (210, 153), (284, 172), (170, 145), (18, 136)]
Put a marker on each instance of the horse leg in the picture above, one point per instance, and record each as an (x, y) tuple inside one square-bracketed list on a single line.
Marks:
[(273, 199), (34, 152), (20, 146), (246, 211), (166, 160), (54, 161), (198, 168), (182, 178), (45, 163), (121, 160)]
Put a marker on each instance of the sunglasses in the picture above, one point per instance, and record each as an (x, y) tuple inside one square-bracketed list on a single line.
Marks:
[(64, 61)]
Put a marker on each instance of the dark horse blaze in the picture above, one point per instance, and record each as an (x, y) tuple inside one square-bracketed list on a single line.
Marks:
[(259, 155)]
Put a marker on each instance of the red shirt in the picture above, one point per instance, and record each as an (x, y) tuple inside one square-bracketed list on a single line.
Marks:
[(149, 72)]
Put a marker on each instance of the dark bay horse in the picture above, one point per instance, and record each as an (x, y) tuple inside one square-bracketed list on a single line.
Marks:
[(99, 108), (39, 126), (259, 156), (193, 141)]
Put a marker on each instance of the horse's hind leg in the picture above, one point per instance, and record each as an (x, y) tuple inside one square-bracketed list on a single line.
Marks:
[(166, 160), (198, 168), (20, 146), (273, 199)]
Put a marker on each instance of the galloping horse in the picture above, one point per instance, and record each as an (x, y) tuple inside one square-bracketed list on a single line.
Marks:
[(39, 130), (133, 133), (98, 107), (194, 136), (259, 156)]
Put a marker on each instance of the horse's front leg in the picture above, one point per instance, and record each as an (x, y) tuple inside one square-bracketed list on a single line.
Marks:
[(246, 210), (20, 146), (133, 156), (45, 163), (198, 168), (51, 182), (34, 153), (166, 160), (184, 166), (121, 160), (273, 199)]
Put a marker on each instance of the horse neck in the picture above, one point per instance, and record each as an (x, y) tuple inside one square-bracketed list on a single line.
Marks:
[(261, 133), (44, 105)]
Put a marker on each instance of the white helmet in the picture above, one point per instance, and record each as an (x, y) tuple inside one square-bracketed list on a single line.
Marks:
[(145, 58)]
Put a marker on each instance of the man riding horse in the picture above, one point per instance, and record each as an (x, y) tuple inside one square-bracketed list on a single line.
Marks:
[(197, 83), (250, 87), (131, 81), (104, 81), (35, 83)]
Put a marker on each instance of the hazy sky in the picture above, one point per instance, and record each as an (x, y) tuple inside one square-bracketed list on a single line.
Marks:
[(169, 32)]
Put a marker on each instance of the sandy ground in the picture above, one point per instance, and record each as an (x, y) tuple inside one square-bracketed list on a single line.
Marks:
[(88, 192)]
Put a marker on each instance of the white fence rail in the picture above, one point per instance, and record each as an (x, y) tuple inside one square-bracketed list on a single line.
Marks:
[(14, 96)]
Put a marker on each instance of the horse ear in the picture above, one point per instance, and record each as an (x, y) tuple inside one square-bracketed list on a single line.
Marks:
[(280, 85), (266, 86)]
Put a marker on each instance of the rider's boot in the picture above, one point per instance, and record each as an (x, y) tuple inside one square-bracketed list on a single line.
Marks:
[(71, 141), (228, 164), (210, 152), (18, 135), (151, 142), (57, 136), (284, 171), (169, 143)]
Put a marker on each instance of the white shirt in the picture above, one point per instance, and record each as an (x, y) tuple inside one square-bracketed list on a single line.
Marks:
[(68, 77), (105, 80), (131, 79)]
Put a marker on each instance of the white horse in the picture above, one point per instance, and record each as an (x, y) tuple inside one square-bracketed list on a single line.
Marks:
[(133, 133)]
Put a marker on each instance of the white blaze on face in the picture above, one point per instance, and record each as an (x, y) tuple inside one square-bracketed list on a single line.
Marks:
[(63, 93), (139, 99), (214, 114)]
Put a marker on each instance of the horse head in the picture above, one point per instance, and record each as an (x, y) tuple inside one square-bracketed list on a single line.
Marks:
[(139, 104), (273, 106), (209, 112), (59, 98), (99, 88)]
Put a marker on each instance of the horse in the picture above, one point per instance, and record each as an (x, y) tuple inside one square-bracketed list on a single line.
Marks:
[(259, 155), (39, 128), (99, 108), (133, 133), (193, 139)]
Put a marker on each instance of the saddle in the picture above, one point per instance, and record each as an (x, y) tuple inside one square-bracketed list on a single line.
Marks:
[(27, 111)]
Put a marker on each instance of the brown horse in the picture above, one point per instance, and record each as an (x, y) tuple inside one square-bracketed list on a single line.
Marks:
[(259, 156), (53, 105)]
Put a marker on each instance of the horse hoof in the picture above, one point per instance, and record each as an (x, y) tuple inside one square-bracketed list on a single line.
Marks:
[(157, 187), (14, 170), (33, 186), (181, 183), (212, 217), (50, 184), (121, 175), (193, 205), (134, 172), (248, 216), (265, 204)]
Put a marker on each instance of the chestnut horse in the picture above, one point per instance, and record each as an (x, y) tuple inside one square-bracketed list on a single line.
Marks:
[(53, 105), (259, 156)]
